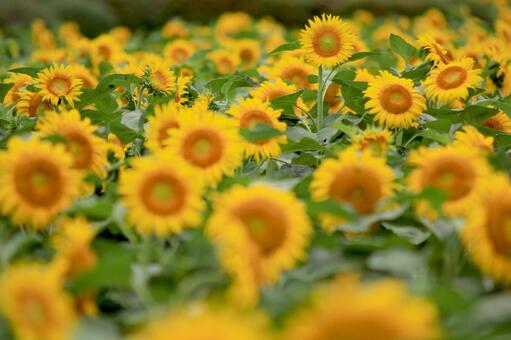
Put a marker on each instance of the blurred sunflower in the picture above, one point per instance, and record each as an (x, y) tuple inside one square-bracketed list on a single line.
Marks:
[(232, 22), (374, 139), (89, 81), (164, 119), (205, 323), (499, 122), (117, 146), (260, 232), (160, 198), (19, 81), (273, 89), (452, 81), (456, 170), (435, 52), (34, 302), (72, 243), (470, 137), (174, 28), (31, 104), (327, 41), (486, 233), (36, 181), (88, 150), (294, 70), (162, 78), (360, 179), (208, 142), (58, 82), (224, 60), (251, 112), (348, 309), (178, 51), (394, 101), (182, 84)]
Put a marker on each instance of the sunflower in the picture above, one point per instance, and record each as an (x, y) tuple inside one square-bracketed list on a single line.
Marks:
[(72, 243), (34, 302), (117, 146), (273, 89), (178, 51), (375, 139), (333, 98), (470, 137), (208, 142), (294, 70), (363, 75), (252, 111), (327, 41), (89, 151), (174, 28), (225, 61), (164, 119), (181, 95), (500, 122), (348, 309), (162, 78), (452, 81), (19, 81), (160, 198), (36, 181), (360, 179), (248, 52), (205, 323), (31, 104), (260, 231), (104, 48), (78, 71), (58, 82), (435, 51), (457, 170), (486, 232), (394, 101), (232, 22)]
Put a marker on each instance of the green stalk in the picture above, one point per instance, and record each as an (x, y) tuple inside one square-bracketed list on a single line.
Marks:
[(319, 104)]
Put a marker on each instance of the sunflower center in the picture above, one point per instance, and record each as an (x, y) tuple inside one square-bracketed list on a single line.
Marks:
[(163, 194), (396, 99), (105, 52), (79, 146), (247, 56), (59, 86), (355, 326), (331, 95), (35, 309), (498, 224), (453, 176), (180, 54), (296, 76), (357, 186), (203, 147), (163, 132), (451, 77), (159, 80), (264, 222), (39, 182), (34, 104), (326, 43)]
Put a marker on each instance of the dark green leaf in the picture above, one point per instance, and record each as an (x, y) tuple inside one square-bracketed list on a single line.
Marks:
[(401, 47), (4, 88), (286, 47), (31, 71), (260, 132)]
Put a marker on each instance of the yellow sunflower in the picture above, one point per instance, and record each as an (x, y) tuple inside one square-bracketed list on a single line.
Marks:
[(333, 98), (105, 47), (89, 81), (499, 122), (327, 41), (457, 170), (72, 243), (348, 309), (375, 139), (19, 81), (452, 81), (174, 28), (252, 111), (34, 302), (208, 142), (178, 51), (360, 179), (162, 78), (232, 22), (260, 231), (31, 104), (272, 89), (435, 51), (159, 125), (394, 101), (363, 75), (294, 70), (486, 233), (202, 322), (36, 181), (470, 137), (248, 52), (58, 82), (160, 198), (117, 147), (225, 61), (89, 151), (182, 83)]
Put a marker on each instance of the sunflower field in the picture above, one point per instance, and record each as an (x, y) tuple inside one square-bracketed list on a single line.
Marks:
[(245, 180)]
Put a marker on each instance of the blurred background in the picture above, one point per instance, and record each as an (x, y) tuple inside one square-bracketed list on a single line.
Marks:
[(95, 16)]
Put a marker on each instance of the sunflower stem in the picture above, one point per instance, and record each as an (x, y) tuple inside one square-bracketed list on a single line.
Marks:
[(319, 105)]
